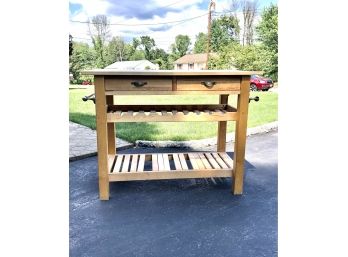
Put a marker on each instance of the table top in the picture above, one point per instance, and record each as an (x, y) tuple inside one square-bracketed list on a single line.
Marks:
[(110, 72)]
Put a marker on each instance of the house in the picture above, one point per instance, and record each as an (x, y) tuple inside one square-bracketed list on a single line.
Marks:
[(133, 65), (191, 62)]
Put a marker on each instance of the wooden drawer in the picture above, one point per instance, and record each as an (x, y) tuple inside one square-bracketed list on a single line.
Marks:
[(138, 84), (208, 84)]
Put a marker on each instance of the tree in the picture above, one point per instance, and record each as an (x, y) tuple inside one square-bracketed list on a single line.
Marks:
[(161, 58), (148, 45), (239, 57), (83, 57), (249, 12), (116, 51), (70, 45), (181, 45), (267, 31), (201, 43), (225, 30), (99, 34)]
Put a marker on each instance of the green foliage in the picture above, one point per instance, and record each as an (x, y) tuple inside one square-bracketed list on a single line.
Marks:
[(148, 45), (201, 43), (181, 45), (259, 57), (240, 57), (116, 51), (224, 30), (83, 57), (268, 34)]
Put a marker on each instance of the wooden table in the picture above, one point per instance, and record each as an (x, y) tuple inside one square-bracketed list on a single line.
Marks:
[(123, 167)]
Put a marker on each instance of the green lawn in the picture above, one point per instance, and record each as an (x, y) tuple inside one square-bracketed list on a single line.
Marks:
[(264, 111)]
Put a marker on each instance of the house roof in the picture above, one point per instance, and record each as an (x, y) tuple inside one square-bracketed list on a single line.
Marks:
[(131, 65), (192, 58)]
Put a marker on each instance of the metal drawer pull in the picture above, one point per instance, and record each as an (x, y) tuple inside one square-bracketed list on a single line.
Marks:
[(139, 83), (89, 97), (208, 84), (256, 99)]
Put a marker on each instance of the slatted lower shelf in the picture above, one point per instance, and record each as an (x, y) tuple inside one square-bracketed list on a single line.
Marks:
[(170, 166), (167, 113)]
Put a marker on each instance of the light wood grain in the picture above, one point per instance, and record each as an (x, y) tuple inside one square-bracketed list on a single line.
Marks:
[(119, 159), (141, 163), (188, 92), (125, 165), (177, 162), (102, 138), (240, 136), (222, 128), (127, 176), (154, 162), (220, 161), (177, 73), (195, 84), (111, 130), (126, 84), (134, 164), (183, 161), (166, 162)]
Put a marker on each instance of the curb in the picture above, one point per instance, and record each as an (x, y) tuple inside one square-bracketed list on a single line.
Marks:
[(84, 156), (208, 141)]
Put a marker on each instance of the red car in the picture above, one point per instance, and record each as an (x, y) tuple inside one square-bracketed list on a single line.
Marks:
[(260, 83)]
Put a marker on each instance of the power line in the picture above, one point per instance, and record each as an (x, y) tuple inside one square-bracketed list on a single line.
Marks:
[(142, 24)]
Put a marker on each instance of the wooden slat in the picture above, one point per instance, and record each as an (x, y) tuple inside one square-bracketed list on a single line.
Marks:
[(141, 163), (194, 164), (166, 162), (118, 163), (133, 167), (160, 162), (220, 161), (205, 161), (177, 162), (227, 159), (154, 162), (199, 161), (212, 161), (183, 161), (125, 165), (126, 176)]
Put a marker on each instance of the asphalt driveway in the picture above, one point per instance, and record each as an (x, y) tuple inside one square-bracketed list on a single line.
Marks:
[(194, 217)]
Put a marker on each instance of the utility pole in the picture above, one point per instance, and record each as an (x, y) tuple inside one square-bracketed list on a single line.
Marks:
[(211, 7)]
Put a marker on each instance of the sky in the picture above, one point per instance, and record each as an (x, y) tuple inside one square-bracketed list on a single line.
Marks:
[(134, 18)]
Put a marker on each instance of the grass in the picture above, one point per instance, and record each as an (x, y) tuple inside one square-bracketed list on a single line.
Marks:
[(264, 111)]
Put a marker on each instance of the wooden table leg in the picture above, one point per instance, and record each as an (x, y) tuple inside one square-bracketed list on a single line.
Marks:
[(222, 126), (102, 137), (240, 136), (111, 130)]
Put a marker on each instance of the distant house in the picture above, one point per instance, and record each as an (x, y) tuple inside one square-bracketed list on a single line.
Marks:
[(133, 65), (191, 62)]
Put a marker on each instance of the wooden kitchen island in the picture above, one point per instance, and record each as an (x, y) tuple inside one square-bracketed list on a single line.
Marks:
[(123, 167)]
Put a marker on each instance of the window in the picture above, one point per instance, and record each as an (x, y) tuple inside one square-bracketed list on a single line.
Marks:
[(190, 66), (179, 66)]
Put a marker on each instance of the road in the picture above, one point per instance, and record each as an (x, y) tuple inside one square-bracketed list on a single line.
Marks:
[(193, 217)]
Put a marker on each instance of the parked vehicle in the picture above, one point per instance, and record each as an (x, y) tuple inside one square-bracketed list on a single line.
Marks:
[(260, 83), (86, 82)]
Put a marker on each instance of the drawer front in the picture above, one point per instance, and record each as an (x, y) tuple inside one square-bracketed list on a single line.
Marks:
[(208, 84), (138, 84)]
